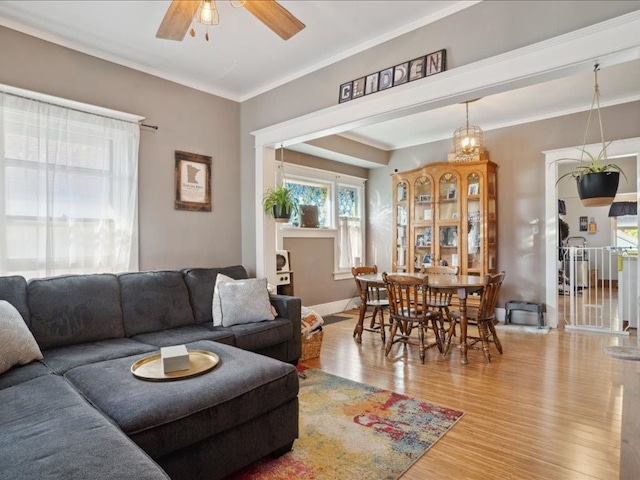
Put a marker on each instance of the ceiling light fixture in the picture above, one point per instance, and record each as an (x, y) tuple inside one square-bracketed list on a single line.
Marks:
[(207, 14), (468, 142)]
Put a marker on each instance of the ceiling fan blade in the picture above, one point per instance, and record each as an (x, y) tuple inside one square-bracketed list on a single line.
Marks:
[(177, 19), (275, 16)]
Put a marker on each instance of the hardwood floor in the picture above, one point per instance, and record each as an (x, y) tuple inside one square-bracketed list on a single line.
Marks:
[(549, 408)]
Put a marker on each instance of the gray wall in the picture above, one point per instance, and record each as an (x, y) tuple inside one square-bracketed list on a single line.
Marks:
[(189, 120)]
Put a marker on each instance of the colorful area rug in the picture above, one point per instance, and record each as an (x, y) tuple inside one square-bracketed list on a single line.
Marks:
[(349, 430)]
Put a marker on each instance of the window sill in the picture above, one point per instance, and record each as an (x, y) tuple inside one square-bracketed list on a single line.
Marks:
[(290, 232)]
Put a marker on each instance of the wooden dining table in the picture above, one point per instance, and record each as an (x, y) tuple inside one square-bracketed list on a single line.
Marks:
[(461, 285)]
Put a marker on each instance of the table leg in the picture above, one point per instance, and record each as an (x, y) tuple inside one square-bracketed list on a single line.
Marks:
[(462, 296)]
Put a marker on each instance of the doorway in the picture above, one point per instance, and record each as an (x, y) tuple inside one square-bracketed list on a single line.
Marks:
[(555, 316)]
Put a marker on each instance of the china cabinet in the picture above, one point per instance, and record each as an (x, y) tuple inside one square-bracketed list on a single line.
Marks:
[(446, 214)]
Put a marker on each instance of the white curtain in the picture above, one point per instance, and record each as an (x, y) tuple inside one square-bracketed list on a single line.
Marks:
[(68, 190), (349, 238)]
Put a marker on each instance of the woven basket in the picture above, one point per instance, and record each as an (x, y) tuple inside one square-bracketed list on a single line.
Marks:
[(311, 345)]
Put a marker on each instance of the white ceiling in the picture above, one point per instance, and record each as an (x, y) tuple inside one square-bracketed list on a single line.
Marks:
[(244, 58)]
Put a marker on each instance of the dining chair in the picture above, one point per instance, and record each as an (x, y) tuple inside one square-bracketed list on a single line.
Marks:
[(484, 317), (440, 299), (374, 298), (408, 297)]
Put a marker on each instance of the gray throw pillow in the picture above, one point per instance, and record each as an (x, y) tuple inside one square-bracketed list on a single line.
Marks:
[(245, 301), (216, 310), (17, 345)]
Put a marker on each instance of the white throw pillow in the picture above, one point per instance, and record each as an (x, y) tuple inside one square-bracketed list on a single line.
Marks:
[(17, 345), (245, 301), (216, 312)]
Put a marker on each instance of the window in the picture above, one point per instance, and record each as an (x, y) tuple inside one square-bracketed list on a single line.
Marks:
[(68, 190), (340, 202), (626, 231), (311, 193)]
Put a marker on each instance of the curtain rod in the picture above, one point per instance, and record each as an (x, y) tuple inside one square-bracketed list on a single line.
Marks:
[(75, 109)]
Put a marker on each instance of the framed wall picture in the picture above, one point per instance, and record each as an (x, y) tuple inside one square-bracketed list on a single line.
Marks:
[(435, 62), (193, 182), (371, 83), (416, 68), (584, 224), (358, 87), (401, 74), (346, 91), (386, 79)]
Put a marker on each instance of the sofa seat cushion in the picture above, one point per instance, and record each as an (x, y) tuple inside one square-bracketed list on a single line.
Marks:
[(50, 431), (186, 334), (163, 417), (61, 359), (75, 309), (23, 374), (154, 301), (255, 336)]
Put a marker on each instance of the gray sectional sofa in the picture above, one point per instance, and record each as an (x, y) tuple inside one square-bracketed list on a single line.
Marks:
[(79, 413)]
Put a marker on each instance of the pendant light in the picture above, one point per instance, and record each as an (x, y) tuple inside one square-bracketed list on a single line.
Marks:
[(468, 142)]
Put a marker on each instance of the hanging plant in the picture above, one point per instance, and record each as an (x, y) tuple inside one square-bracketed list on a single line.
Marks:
[(279, 201), (596, 179)]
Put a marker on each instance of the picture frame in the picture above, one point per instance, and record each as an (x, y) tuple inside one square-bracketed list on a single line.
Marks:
[(424, 198), (416, 68), (474, 189), (435, 62), (420, 241), (386, 79), (584, 224), (346, 91), (371, 83), (401, 74), (192, 182), (452, 193), (358, 88)]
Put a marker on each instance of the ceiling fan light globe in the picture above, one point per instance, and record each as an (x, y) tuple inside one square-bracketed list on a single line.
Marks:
[(208, 13)]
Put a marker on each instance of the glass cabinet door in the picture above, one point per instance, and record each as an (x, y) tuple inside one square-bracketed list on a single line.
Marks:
[(449, 189), (475, 255), (422, 222), (402, 222), (422, 202), (449, 245)]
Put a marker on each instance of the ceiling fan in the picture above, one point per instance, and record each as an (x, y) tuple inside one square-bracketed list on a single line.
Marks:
[(181, 13)]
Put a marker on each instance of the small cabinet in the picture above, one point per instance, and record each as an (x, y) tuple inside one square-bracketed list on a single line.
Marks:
[(446, 213)]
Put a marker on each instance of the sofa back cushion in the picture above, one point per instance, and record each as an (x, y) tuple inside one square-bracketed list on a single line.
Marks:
[(201, 281), (72, 309), (154, 301), (13, 289)]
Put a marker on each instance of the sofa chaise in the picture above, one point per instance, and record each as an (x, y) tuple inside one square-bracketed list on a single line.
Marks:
[(79, 413)]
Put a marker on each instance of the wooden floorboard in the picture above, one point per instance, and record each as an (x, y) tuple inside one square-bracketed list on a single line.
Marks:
[(549, 408)]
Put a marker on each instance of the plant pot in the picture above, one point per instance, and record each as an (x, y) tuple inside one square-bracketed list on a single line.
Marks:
[(598, 189), (281, 216)]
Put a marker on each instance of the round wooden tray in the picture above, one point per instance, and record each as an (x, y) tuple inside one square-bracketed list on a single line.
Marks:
[(150, 368)]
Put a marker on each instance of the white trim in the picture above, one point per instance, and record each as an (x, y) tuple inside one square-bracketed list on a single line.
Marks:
[(609, 42), (71, 104), (618, 148), (335, 307)]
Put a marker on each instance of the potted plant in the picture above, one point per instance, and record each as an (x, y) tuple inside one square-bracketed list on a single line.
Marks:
[(279, 202), (596, 179)]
